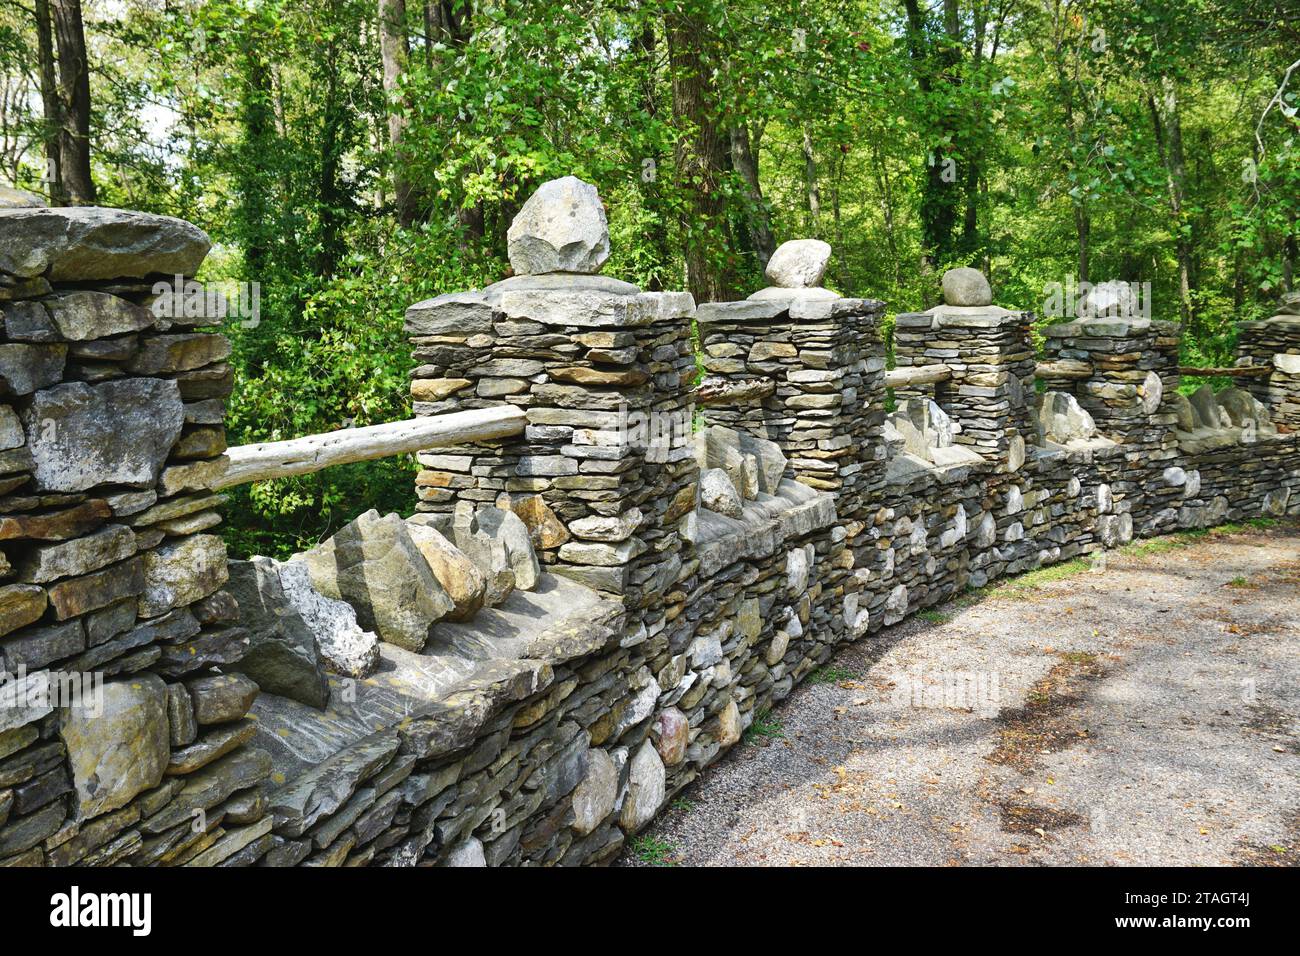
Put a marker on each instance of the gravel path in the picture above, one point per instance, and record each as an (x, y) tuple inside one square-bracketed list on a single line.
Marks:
[(1144, 713)]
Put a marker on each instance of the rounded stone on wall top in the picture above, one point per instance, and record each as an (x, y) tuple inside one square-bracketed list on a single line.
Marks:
[(966, 286), (798, 264)]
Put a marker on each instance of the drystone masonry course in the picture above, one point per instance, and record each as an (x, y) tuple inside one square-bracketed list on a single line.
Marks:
[(112, 617), (579, 620)]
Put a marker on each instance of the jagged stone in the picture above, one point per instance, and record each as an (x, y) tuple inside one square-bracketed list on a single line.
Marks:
[(561, 228), (544, 527), (375, 565), (344, 647), (473, 528), (718, 494), (646, 788), (282, 656), (459, 576)]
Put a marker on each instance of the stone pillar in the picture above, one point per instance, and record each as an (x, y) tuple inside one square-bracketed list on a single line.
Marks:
[(1130, 397), (988, 349), (1275, 344), (111, 407), (604, 474), (803, 367)]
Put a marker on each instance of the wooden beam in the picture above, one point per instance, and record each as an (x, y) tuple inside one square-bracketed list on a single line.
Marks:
[(1236, 371), (1064, 368), (302, 456), (917, 375)]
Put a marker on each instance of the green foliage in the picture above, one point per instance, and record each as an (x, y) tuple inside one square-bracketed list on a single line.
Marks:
[(267, 122), (654, 851), (765, 725)]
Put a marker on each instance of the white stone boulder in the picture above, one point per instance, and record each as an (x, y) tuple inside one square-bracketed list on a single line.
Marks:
[(344, 646), (966, 286), (798, 264), (561, 228)]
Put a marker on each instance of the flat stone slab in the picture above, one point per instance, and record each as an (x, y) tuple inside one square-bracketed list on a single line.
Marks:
[(766, 523), (559, 620), (1098, 328), (91, 243)]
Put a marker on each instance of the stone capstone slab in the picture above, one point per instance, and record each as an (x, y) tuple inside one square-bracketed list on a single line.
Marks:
[(82, 243)]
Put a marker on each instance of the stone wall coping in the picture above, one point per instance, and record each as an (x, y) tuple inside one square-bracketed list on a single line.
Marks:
[(960, 316), (798, 306), (767, 522)]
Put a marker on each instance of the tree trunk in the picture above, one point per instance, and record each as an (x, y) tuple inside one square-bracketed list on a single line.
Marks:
[(701, 155), (253, 178), (939, 196), (744, 160), (813, 221), (1083, 229), (330, 197), (653, 166), (53, 114), (394, 52), (1169, 137), (74, 93)]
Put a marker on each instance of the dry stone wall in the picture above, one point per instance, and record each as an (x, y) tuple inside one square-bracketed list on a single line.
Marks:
[(116, 732), (549, 721)]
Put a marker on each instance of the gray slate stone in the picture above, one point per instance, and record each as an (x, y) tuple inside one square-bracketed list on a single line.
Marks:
[(84, 315), (282, 657), (88, 243), (121, 752), (118, 432)]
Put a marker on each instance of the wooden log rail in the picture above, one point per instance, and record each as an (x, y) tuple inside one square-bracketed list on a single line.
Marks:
[(911, 375), (302, 456), (1236, 371)]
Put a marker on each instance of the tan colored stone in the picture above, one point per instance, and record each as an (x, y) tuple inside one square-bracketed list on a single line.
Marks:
[(436, 389), (546, 530)]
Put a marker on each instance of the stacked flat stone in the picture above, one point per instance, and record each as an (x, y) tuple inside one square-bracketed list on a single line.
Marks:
[(992, 362), (604, 472), (1130, 397), (1275, 344), (111, 417), (824, 355), (541, 727)]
